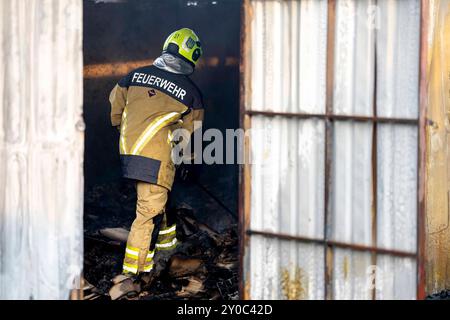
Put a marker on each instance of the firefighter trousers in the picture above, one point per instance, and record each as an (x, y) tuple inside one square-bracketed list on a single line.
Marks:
[(151, 230)]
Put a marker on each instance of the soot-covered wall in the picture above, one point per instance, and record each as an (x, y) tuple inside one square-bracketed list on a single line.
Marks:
[(119, 36)]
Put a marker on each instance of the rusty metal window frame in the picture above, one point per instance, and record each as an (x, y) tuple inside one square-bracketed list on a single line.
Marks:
[(329, 118)]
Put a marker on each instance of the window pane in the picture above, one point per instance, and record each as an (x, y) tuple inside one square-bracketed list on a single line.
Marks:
[(351, 198), (354, 58), (281, 269), (397, 187), (288, 56), (398, 40), (396, 279), (351, 275), (287, 172)]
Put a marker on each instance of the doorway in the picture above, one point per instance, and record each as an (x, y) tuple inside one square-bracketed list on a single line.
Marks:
[(119, 36)]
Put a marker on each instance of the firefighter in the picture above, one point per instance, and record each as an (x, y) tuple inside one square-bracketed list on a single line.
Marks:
[(147, 105)]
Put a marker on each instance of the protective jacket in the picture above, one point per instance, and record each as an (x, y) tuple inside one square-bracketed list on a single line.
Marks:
[(149, 104)]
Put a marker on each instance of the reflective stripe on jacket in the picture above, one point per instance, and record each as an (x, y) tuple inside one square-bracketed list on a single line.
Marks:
[(149, 104)]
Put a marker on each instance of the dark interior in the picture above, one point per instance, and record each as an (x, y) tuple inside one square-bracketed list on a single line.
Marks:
[(117, 36)]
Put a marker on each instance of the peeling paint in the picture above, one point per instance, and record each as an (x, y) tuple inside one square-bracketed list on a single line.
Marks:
[(345, 267), (293, 283)]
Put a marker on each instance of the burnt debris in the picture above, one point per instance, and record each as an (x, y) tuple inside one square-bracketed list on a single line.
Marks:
[(203, 266)]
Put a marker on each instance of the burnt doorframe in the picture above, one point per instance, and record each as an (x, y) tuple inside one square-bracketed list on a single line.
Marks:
[(245, 115)]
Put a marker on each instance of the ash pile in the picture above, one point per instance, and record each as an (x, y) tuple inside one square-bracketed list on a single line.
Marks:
[(203, 265)]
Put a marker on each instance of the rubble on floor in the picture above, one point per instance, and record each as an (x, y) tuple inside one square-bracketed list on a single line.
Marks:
[(203, 265)]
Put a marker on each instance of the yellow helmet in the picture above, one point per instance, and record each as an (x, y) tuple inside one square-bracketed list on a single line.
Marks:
[(185, 44)]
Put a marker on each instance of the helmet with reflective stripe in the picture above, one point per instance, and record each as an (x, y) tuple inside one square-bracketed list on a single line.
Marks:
[(185, 44)]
